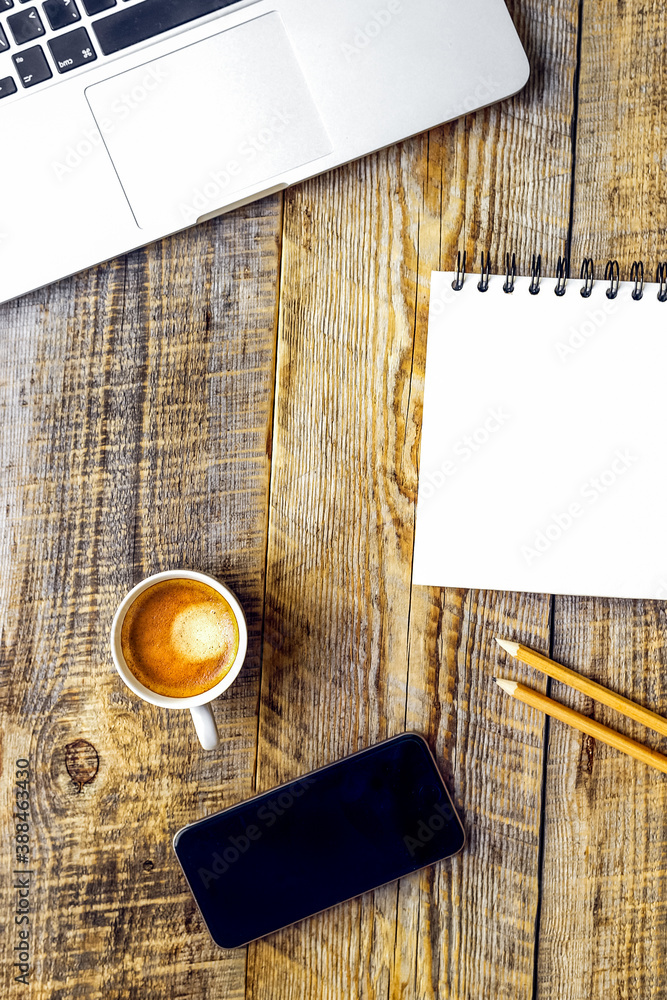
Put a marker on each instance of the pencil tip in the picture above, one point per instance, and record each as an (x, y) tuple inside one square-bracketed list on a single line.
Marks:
[(510, 647), (506, 685)]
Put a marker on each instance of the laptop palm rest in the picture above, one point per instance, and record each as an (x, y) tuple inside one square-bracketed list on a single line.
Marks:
[(200, 128)]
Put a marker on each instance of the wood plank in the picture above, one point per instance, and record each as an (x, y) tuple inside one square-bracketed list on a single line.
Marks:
[(470, 928), (516, 199), (605, 820), (136, 405), (350, 654)]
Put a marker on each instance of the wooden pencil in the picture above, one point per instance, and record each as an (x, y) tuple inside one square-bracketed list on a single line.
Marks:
[(584, 724), (586, 686)]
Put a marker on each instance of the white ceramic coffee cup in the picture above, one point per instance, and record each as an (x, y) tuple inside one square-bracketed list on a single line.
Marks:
[(202, 715)]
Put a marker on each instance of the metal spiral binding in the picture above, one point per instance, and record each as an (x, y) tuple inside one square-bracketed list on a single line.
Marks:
[(611, 274), (535, 274), (637, 275), (562, 274), (510, 273), (661, 279), (483, 283), (587, 275), (457, 284)]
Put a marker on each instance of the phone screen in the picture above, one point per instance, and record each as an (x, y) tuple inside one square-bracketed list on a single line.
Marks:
[(331, 835)]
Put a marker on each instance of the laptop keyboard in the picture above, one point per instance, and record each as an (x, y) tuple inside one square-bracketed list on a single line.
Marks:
[(39, 42)]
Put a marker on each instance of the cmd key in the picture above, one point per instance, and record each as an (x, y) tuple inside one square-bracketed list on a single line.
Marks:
[(72, 50)]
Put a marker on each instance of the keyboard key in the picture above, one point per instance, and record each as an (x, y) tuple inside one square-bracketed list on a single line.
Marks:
[(61, 13), (6, 4), (149, 18), (7, 87), (32, 66), (97, 6), (72, 50), (4, 44), (25, 25)]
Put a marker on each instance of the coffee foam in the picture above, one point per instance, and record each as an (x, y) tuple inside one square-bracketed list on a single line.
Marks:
[(180, 637), (198, 634)]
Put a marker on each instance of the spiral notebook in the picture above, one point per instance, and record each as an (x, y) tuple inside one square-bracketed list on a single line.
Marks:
[(544, 440)]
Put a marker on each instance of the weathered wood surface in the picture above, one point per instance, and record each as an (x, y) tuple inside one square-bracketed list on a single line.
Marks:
[(139, 432), (351, 654), (136, 408), (604, 919)]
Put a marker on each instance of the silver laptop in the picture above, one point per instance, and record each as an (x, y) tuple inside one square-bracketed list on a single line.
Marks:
[(124, 120)]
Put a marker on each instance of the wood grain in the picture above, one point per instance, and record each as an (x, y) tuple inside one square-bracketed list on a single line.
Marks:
[(136, 405), (337, 588), (137, 424), (603, 917), (472, 930), (351, 654)]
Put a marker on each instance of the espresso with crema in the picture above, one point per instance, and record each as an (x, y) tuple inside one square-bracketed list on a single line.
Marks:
[(180, 638)]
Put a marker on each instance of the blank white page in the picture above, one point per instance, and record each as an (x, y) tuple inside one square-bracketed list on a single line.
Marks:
[(544, 440)]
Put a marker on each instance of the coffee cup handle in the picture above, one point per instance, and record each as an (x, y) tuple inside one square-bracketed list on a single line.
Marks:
[(207, 731)]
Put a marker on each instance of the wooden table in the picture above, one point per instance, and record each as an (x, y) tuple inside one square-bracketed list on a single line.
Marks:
[(245, 398)]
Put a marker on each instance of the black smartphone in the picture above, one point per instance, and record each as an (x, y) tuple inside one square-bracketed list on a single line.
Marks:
[(335, 833)]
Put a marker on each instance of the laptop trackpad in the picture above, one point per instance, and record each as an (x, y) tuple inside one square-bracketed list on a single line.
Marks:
[(204, 126)]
